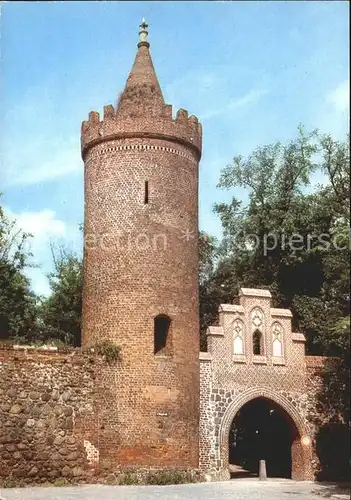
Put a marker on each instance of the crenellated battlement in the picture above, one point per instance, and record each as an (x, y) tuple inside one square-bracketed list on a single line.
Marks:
[(183, 129), (141, 166)]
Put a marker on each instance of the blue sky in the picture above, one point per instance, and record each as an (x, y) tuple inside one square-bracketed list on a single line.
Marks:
[(251, 71)]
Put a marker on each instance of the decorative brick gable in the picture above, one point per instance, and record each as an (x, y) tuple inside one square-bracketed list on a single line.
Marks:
[(230, 379)]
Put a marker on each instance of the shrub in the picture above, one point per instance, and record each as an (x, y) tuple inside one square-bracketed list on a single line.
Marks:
[(110, 351), (165, 477), (128, 479), (158, 477), (61, 482)]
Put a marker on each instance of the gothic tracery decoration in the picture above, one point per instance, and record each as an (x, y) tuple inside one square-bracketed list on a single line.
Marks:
[(277, 333), (257, 322), (257, 318), (238, 341)]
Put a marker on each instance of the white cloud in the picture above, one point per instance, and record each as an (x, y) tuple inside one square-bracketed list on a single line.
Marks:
[(340, 97), (45, 227), (68, 162), (331, 112), (39, 143), (39, 161), (41, 224), (209, 92), (39, 282), (252, 96)]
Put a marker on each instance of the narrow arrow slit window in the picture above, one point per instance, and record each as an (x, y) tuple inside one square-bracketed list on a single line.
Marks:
[(146, 193)]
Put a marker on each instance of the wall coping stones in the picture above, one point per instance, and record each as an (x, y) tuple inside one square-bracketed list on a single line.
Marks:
[(31, 347), (255, 292), (298, 337), (47, 348), (259, 360), (281, 312), (50, 354), (231, 308), (205, 356), (215, 331)]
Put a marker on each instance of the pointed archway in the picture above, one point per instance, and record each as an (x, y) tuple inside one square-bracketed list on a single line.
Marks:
[(299, 467), (261, 430)]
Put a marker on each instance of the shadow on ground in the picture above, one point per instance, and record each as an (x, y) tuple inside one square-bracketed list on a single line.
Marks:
[(333, 490), (237, 472)]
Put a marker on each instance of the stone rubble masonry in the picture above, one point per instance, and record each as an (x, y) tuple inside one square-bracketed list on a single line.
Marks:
[(228, 381), (46, 413), (57, 416), (55, 410)]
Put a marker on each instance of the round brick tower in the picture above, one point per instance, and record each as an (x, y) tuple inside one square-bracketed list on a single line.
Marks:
[(141, 269)]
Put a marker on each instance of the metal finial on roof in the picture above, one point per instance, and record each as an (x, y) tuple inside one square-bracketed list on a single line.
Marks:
[(143, 33)]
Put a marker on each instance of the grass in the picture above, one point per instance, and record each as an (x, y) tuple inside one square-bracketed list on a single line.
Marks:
[(161, 478)]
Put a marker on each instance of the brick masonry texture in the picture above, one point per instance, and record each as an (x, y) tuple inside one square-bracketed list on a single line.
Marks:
[(57, 415), (141, 260), (69, 414), (229, 380)]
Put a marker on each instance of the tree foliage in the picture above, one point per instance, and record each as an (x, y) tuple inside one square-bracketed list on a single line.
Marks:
[(289, 237), (293, 238), (17, 301), (60, 313)]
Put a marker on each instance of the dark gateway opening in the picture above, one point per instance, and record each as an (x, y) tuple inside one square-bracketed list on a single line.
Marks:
[(261, 430)]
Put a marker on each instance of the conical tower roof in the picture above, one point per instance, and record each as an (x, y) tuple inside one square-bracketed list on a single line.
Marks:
[(142, 94)]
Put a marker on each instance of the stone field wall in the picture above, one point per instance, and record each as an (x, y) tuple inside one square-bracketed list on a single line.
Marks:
[(47, 423), (62, 417), (59, 412)]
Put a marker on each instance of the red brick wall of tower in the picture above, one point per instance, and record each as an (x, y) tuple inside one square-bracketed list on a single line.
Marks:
[(141, 260)]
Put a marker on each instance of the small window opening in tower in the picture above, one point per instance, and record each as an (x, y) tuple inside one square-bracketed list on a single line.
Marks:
[(162, 337), (257, 343), (146, 195)]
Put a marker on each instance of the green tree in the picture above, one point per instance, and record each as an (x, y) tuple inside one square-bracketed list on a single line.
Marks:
[(308, 274), (282, 239), (17, 301), (60, 313), (333, 437), (208, 293), (335, 397)]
